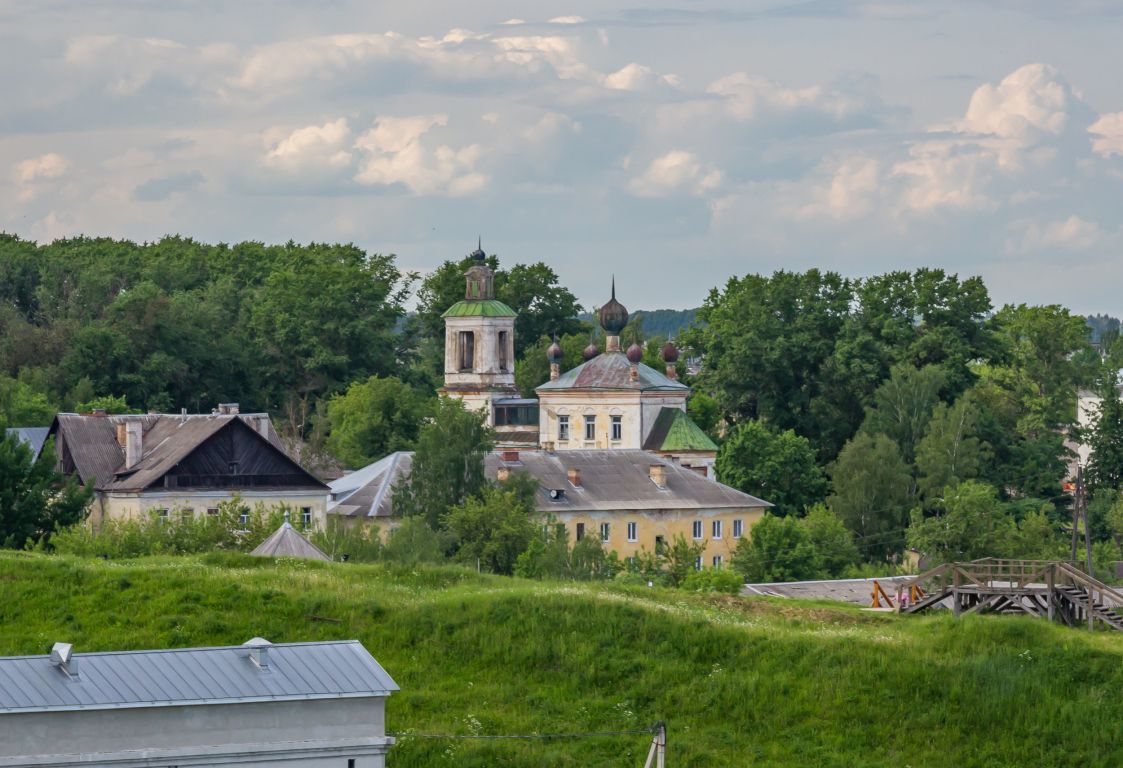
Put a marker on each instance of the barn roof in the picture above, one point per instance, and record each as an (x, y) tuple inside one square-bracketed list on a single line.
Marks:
[(286, 541), (612, 370), (168, 439), (189, 676)]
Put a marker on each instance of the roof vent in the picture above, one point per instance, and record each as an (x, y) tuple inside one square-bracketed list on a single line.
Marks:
[(510, 456), (62, 657), (259, 652), (557, 494)]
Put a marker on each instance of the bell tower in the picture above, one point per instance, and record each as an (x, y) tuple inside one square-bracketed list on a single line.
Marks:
[(479, 342)]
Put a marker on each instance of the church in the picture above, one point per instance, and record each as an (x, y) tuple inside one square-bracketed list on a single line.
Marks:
[(611, 401), (609, 442)]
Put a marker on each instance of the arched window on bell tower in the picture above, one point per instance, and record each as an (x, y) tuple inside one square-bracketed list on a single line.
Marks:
[(466, 351)]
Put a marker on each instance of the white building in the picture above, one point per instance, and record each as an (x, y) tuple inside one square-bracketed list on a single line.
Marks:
[(291, 705)]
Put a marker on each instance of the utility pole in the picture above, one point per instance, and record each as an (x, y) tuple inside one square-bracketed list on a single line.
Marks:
[(1082, 500), (658, 752)]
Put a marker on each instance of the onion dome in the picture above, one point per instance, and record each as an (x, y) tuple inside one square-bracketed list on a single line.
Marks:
[(670, 352), (590, 352), (613, 316), (479, 254), (554, 353), (635, 353)]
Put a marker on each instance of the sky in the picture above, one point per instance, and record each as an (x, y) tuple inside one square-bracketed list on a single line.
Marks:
[(673, 144)]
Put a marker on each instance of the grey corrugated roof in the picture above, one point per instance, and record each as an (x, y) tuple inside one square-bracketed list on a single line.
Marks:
[(32, 437), (611, 480), (168, 678), (368, 492), (286, 541), (612, 370)]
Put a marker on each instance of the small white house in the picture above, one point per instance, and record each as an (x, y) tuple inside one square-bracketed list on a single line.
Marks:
[(285, 705)]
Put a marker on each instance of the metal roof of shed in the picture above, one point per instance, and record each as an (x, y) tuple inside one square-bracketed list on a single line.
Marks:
[(191, 676)]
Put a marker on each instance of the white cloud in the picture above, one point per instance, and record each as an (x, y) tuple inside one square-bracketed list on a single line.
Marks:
[(637, 77), (49, 166), (1071, 234), (313, 147), (512, 22), (393, 152), (1030, 103), (568, 20), (851, 190), (945, 174), (1108, 134), (751, 97), (676, 172)]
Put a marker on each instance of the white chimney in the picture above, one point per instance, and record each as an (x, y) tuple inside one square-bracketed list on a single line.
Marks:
[(134, 443), (63, 658)]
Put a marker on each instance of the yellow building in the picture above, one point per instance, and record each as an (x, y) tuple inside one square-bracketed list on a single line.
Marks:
[(183, 464), (633, 500)]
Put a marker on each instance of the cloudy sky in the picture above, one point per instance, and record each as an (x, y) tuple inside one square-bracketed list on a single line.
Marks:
[(672, 143)]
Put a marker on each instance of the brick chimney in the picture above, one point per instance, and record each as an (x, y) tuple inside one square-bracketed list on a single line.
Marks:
[(574, 477), (121, 433), (134, 442), (503, 474), (658, 475), (228, 409)]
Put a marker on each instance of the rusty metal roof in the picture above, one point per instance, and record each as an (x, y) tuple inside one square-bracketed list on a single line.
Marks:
[(612, 370)]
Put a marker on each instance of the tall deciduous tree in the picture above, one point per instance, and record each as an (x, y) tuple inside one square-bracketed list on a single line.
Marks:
[(448, 465), (872, 493), (950, 451), (903, 404), (491, 529), (34, 499), (775, 466), (1105, 464), (374, 418), (972, 524), (832, 540), (778, 549)]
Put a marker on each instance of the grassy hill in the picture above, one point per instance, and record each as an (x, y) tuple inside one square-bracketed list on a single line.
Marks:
[(739, 682)]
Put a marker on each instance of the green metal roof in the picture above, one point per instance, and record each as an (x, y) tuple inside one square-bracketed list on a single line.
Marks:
[(479, 308), (673, 430)]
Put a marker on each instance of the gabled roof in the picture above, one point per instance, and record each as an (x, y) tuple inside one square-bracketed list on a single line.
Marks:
[(368, 492), (612, 370), (33, 437), (286, 541), (674, 430), (191, 676), (479, 308), (167, 440)]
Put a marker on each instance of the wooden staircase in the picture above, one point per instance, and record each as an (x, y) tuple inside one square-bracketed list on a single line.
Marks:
[(1053, 589)]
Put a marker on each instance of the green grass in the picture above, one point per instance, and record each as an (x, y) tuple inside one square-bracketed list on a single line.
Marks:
[(739, 682)]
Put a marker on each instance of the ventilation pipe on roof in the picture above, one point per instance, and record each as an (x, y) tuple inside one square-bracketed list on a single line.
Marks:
[(62, 657), (259, 652), (134, 442)]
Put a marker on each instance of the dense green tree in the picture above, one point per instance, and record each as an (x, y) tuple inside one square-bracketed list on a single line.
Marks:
[(833, 542), (872, 493), (950, 451), (533, 368), (34, 499), (680, 559), (778, 467), (22, 406), (413, 542), (374, 418), (972, 524), (448, 464), (903, 404), (778, 549), (1105, 438), (705, 412), (491, 529)]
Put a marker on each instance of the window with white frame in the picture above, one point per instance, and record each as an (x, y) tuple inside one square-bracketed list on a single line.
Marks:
[(697, 529), (161, 514), (604, 532), (632, 532), (717, 561), (698, 563), (186, 514), (715, 528), (306, 516), (590, 427), (563, 427), (617, 428), (738, 528), (244, 518)]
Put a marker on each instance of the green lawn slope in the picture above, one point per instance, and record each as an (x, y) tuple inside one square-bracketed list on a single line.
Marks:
[(739, 682)]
